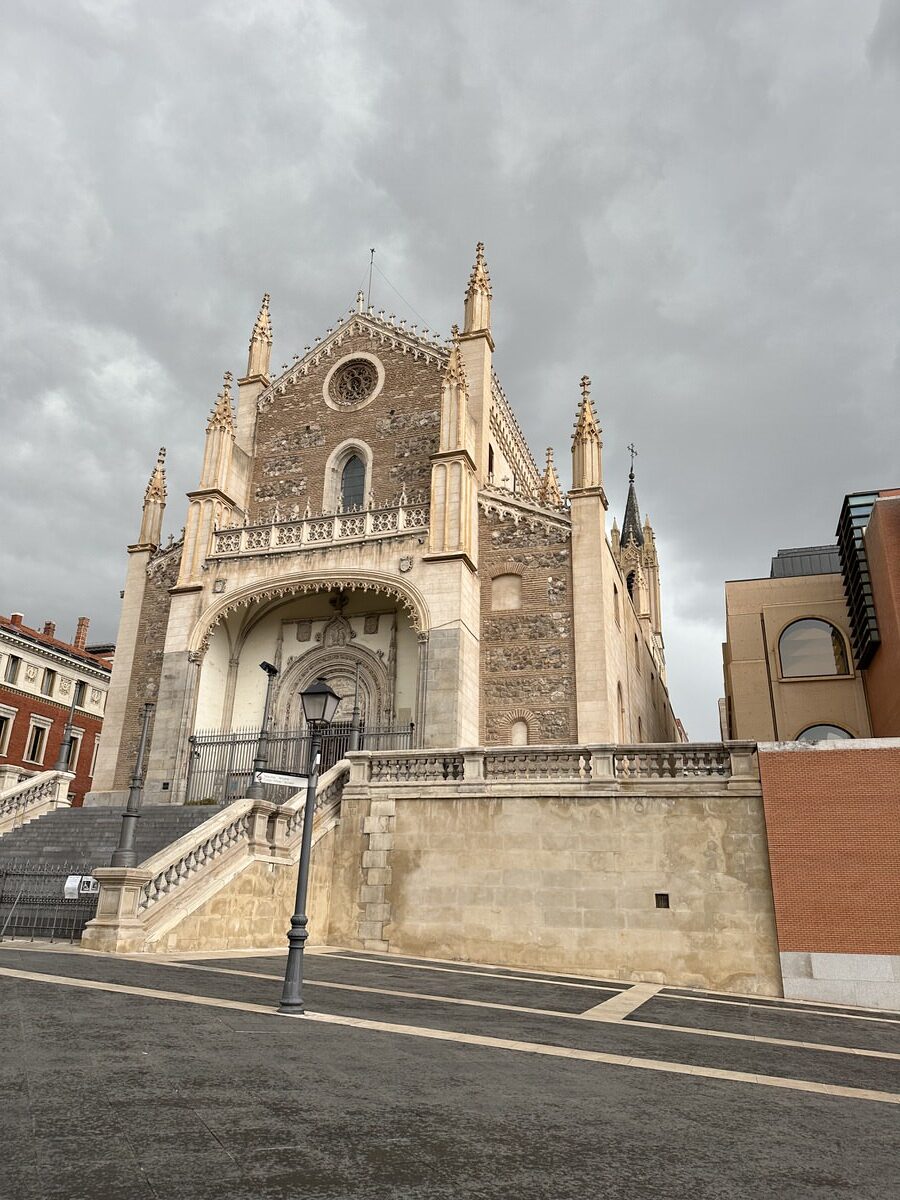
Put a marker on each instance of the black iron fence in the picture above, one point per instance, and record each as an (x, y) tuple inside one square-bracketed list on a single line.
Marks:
[(220, 765), (35, 901)]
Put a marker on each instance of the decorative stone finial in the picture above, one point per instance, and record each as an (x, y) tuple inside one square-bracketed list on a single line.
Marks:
[(549, 491), (222, 415), (260, 341), (586, 443), (360, 302), (478, 296), (156, 488)]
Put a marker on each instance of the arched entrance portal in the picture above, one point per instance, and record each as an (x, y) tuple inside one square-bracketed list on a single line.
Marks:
[(361, 641)]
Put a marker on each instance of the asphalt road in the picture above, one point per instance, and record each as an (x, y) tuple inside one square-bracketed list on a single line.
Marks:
[(132, 1077)]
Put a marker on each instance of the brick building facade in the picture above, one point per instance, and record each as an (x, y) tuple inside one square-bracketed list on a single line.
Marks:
[(373, 514), (833, 829), (40, 677)]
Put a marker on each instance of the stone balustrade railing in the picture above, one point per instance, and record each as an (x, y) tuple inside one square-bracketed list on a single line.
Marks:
[(287, 536), (716, 761), (139, 904), (33, 798)]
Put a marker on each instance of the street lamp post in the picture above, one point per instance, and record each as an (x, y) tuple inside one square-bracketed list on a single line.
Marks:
[(125, 854), (320, 704), (65, 746), (255, 790)]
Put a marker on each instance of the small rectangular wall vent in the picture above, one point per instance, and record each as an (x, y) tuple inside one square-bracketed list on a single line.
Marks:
[(662, 899)]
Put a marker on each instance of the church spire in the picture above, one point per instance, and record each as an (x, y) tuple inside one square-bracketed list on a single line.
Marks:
[(478, 296), (260, 342), (631, 526), (550, 491), (586, 443), (154, 504)]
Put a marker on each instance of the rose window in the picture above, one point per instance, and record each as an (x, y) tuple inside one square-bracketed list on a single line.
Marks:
[(353, 383)]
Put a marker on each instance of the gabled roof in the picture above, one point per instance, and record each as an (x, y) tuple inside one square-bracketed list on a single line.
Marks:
[(39, 638), (382, 330)]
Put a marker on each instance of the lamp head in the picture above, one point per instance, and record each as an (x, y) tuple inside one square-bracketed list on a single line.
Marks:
[(319, 702), (269, 669)]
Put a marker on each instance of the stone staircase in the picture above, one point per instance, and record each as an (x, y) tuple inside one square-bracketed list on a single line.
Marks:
[(88, 836)]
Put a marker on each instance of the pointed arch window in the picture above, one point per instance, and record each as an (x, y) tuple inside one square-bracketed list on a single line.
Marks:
[(353, 483)]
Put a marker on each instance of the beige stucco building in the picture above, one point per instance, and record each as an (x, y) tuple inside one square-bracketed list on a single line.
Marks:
[(789, 666), (372, 513)]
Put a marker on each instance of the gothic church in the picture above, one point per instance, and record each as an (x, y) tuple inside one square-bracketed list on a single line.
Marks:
[(373, 514)]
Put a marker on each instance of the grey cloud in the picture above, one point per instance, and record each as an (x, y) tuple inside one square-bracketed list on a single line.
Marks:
[(694, 204)]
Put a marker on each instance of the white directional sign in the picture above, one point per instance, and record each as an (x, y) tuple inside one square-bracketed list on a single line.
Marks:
[(282, 779)]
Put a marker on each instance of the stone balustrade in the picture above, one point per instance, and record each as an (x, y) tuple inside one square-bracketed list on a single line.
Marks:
[(138, 905), (289, 536), (33, 798), (617, 765)]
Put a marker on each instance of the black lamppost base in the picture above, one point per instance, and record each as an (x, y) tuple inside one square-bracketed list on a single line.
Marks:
[(291, 1010)]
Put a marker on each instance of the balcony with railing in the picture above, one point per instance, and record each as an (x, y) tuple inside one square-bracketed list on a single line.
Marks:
[(288, 535)]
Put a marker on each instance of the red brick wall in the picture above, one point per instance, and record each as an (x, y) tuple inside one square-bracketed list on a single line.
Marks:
[(883, 674), (833, 825), (57, 713)]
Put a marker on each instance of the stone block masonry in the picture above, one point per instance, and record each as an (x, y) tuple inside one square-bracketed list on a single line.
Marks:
[(527, 653)]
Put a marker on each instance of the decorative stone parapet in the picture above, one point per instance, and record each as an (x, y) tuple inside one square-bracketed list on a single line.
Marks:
[(287, 537), (616, 766), (33, 798), (138, 906)]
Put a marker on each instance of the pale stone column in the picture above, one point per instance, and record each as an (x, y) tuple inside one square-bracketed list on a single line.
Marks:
[(120, 680), (175, 701)]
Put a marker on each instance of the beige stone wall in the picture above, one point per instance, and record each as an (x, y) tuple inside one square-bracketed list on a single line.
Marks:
[(253, 909), (569, 883), (162, 574)]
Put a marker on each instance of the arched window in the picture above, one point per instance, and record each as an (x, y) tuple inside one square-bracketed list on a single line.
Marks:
[(616, 605), (812, 647), (629, 583), (353, 483), (506, 592), (518, 733), (637, 655), (823, 733), (640, 730)]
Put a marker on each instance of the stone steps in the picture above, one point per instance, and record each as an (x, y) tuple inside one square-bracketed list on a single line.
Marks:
[(89, 835)]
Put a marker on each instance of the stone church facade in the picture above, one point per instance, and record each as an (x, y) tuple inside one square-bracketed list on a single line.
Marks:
[(373, 514)]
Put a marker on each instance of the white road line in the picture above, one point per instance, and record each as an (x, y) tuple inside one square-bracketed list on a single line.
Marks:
[(470, 1039), (619, 1006)]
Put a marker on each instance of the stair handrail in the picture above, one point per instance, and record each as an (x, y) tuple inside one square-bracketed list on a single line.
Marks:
[(32, 797)]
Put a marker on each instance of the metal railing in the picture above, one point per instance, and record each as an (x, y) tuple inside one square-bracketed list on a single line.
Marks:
[(33, 903), (220, 765)]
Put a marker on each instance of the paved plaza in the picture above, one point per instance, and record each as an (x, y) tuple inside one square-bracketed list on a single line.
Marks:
[(140, 1077)]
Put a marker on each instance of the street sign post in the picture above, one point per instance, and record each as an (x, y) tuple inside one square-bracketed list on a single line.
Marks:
[(282, 779)]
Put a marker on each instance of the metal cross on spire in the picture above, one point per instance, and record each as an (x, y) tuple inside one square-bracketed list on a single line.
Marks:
[(633, 452)]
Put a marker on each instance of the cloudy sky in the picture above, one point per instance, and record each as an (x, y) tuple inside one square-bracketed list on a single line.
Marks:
[(693, 202)]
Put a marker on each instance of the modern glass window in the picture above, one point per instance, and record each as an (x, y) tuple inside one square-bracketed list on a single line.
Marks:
[(823, 733), (812, 647), (47, 682), (353, 483), (12, 668), (80, 689)]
